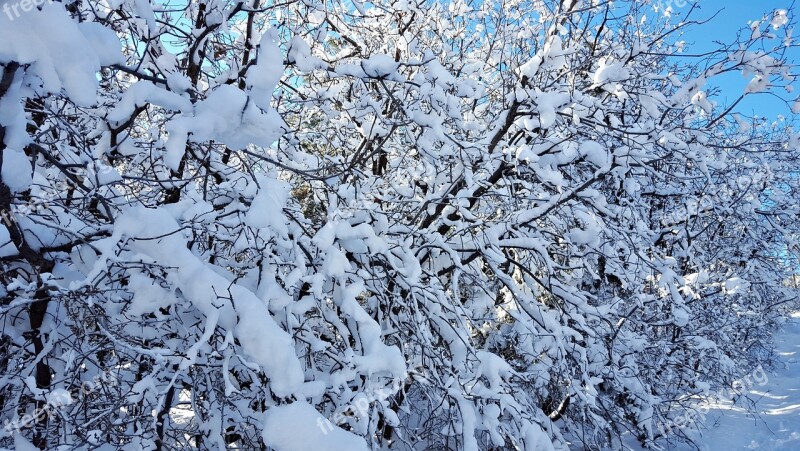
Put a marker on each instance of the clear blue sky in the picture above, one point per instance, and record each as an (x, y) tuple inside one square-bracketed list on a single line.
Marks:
[(734, 15)]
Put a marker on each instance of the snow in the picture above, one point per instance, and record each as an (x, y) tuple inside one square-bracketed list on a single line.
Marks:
[(759, 83), (263, 77), (148, 297), (779, 19), (725, 423), (537, 440), (609, 71), (300, 55), (104, 43), (594, 153), (16, 171), (493, 368), (260, 336), (178, 82), (265, 211), (554, 53), (299, 427), (66, 57), (302, 280), (701, 100), (680, 316), (378, 358), (549, 103), (379, 66), (530, 68), (756, 30), (735, 285), (776, 425), (143, 92), (22, 444), (227, 116)]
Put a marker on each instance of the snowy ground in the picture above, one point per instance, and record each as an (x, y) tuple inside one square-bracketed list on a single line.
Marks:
[(777, 426)]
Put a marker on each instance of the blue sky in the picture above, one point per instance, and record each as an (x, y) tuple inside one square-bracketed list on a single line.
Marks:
[(734, 15)]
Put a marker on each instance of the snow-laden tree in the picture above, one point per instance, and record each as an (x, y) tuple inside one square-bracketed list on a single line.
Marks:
[(390, 225)]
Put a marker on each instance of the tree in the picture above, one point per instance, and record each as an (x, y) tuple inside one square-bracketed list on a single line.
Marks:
[(396, 225)]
